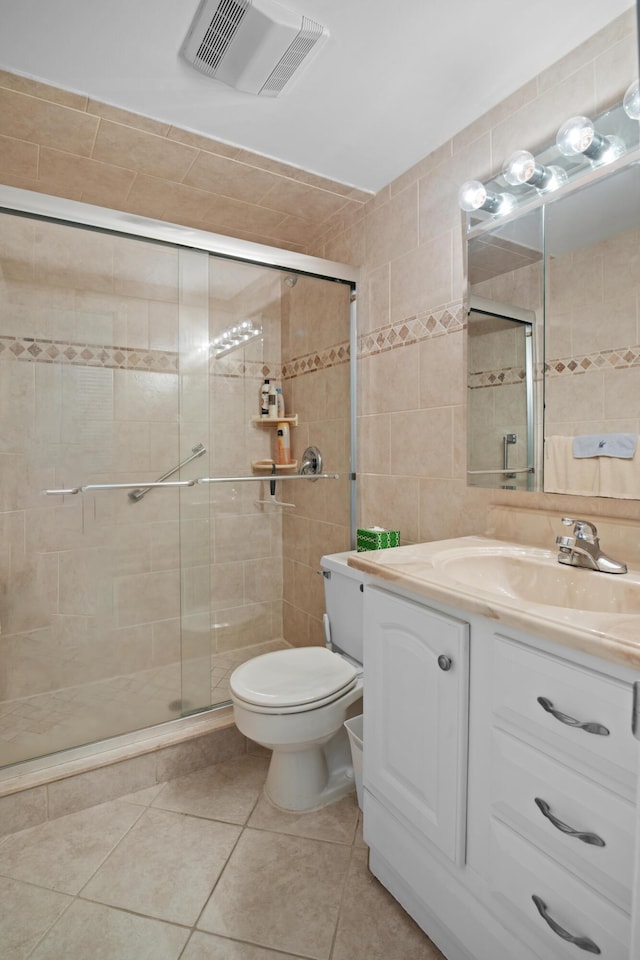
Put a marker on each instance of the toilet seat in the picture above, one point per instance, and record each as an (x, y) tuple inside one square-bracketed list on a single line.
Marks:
[(292, 681)]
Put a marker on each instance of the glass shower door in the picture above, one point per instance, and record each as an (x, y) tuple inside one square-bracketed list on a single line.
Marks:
[(102, 381)]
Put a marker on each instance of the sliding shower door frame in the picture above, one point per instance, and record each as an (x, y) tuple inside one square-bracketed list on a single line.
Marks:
[(14, 200)]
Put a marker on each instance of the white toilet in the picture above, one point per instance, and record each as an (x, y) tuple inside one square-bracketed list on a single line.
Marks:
[(295, 701)]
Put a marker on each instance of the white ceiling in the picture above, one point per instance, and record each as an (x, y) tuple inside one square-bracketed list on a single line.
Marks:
[(394, 81)]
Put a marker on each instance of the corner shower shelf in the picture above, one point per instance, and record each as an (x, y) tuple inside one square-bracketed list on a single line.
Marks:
[(266, 466), (274, 421)]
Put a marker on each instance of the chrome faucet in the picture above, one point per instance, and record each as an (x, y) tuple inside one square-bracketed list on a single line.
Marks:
[(583, 549)]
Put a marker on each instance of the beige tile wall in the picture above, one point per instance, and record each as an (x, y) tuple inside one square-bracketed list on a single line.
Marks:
[(412, 407), (61, 143), (593, 336)]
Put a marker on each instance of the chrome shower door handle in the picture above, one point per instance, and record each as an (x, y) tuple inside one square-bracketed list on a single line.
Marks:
[(589, 726)]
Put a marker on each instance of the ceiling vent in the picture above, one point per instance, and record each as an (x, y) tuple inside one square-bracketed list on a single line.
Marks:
[(256, 46)]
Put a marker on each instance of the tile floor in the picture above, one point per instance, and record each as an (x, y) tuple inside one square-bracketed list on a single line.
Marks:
[(200, 868)]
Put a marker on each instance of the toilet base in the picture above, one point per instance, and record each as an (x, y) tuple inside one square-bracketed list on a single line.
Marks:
[(311, 778)]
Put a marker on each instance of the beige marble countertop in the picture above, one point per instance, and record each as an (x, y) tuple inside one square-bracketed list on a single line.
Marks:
[(429, 570)]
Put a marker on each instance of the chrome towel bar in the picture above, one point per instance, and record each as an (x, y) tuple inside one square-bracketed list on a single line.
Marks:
[(477, 473), (271, 478), (90, 487)]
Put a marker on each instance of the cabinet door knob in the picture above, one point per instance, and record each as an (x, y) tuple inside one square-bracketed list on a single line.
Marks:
[(444, 662)]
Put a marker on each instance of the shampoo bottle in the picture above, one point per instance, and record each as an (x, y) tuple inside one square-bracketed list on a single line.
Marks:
[(264, 399), (272, 401), (283, 444), (280, 400)]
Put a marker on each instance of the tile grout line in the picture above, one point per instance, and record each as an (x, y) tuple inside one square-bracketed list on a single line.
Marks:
[(342, 894), (46, 933), (226, 863)]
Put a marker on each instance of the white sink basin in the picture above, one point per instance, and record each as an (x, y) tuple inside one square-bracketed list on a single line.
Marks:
[(532, 576)]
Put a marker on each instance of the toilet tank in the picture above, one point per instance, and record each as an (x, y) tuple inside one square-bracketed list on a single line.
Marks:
[(344, 603)]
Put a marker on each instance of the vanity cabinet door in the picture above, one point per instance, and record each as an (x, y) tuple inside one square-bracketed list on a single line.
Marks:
[(415, 717)]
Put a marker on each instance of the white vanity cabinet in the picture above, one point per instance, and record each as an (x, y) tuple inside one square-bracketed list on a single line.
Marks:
[(417, 675), (530, 856)]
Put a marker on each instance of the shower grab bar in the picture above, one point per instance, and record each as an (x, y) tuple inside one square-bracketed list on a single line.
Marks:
[(72, 491), (141, 492)]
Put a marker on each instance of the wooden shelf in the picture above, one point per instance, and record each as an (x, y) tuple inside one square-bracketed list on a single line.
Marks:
[(274, 421), (266, 466)]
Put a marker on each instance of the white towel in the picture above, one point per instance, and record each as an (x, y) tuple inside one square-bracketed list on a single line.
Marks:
[(622, 445), (563, 473), (618, 478)]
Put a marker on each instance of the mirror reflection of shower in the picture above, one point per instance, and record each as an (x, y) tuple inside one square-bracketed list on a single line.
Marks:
[(500, 395), (238, 335)]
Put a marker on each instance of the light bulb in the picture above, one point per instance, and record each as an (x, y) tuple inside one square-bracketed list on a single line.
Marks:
[(579, 136), (522, 168), (575, 136), (473, 195), (631, 101)]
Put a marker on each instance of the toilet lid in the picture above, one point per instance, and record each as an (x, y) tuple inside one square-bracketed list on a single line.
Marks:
[(290, 678)]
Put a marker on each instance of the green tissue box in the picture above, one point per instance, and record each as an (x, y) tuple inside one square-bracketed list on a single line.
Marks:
[(376, 538)]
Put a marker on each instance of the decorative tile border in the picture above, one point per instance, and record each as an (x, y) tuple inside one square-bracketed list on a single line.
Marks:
[(236, 368), (37, 350), (257, 369), (321, 360), (619, 359), (448, 318), (496, 378)]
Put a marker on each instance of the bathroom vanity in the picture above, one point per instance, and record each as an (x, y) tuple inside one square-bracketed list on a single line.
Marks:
[(500, 765)]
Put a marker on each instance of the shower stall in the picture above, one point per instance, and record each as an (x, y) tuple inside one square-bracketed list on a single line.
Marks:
[(145, 549)]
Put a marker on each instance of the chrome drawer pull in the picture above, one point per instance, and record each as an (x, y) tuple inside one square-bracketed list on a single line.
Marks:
[(589, 726), (591, 838), (584, 943)]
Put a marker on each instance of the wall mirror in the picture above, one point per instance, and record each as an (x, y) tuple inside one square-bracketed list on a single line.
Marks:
[(592, 357), (504, 344), (567, 272)]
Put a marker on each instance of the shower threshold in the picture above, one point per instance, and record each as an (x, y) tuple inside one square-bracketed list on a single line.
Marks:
[(40, 726)]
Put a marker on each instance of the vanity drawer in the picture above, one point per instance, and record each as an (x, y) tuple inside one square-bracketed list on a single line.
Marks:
[(519, 872), (603, 746), (525, 781)]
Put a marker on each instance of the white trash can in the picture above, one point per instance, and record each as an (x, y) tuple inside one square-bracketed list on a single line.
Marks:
[(354, 731)]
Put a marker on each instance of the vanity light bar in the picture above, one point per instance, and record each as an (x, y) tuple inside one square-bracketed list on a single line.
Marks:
[(577, 138)]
